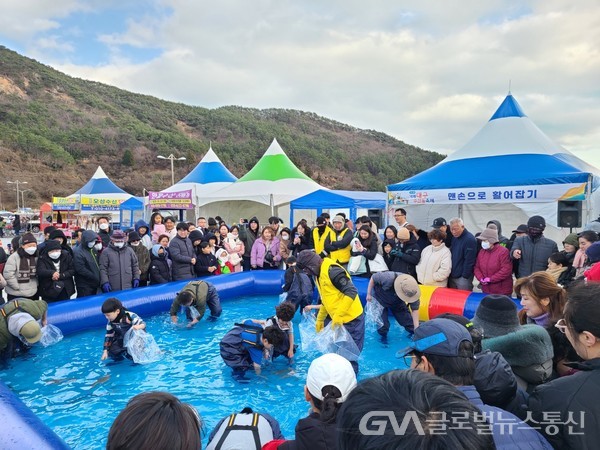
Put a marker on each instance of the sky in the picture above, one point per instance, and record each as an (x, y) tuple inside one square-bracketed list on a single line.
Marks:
[(430, 73)]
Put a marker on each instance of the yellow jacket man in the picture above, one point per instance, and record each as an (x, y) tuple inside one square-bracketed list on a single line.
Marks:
[(339, 297)]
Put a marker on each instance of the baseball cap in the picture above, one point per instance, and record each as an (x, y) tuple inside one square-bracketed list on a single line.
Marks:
[(440, 337), (330, 369), (521, 229), (439, 222), (321, 221), (536, 222), (24, 324)]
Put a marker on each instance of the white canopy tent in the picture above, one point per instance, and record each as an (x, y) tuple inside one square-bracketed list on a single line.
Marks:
[(265, 190), (508, 171)]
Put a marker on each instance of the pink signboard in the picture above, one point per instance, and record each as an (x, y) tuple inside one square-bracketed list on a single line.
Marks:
[(171, 200)]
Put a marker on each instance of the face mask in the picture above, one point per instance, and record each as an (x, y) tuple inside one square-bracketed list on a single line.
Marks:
[(90, 245), (285, 237), (98, 246), (103, 226), (535, 232), (119, 244), (30, 250), (135, 244), (54, 255), (485, 245)]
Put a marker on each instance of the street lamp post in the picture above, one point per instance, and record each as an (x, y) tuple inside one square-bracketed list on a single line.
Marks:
[(172, 158), (17, 182), (23, 197)]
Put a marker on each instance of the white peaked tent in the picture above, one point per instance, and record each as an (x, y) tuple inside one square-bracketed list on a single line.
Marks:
[(273, 182), (509, 171), (209, 176)]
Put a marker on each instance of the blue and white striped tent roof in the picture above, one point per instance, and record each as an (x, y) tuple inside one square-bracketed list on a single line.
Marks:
[(209, 175), (102, 186), (510, 150)]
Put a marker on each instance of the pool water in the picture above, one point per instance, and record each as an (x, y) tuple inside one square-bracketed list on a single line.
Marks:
[(78, 395)]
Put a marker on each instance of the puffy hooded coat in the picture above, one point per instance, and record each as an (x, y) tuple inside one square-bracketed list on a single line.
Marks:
[(87, 265), (119, 267)]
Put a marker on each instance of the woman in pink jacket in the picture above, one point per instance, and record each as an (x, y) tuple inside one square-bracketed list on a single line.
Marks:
[(493, 267), (265, 251)]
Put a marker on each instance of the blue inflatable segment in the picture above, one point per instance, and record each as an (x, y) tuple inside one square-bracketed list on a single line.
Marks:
[(473, 301), (85, 313), (21, 428)]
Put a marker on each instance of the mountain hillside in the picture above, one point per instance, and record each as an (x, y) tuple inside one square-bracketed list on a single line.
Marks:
[(55, 130)]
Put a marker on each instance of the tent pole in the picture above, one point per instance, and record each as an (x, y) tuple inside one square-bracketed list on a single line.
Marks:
[(460, 210), (272, 205)]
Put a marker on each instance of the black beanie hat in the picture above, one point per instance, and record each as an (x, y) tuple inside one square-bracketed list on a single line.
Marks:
[(28, 238), (593, 252), (133, 236), (536, 222), (52, 245), (496, 315), (58, 233), (195, 235)]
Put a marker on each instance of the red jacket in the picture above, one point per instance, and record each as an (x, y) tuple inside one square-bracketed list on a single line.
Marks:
[(496, 265), (593, 273)]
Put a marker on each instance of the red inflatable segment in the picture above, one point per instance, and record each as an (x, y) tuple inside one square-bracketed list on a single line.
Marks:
[(445, 300)]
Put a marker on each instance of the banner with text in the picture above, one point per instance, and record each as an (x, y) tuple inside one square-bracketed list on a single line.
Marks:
[(100, 204), (171, 200), (506, 194), (65, 204)]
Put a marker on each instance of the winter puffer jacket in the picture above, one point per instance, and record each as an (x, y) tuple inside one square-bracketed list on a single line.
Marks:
[(435, 266), (181, 252), (119, 267), (406, 257), (87, 265), (496, 265), (534, 254)]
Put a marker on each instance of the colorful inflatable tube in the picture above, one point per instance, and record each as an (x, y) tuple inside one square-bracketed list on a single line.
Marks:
[(22, 429)]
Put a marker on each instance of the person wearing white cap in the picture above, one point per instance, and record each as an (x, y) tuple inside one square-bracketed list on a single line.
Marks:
[(337, 244), (329, 380), (18, 319)]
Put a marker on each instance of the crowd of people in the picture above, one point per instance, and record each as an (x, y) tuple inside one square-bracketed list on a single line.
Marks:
[(513, 379)]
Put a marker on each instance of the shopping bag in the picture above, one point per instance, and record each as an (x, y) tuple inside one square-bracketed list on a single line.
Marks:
[(283, 297), (50, 335), (357, 265), (141, 346), (337, 340), (194, 313), (373, 312), (378, 264), (308, 332)]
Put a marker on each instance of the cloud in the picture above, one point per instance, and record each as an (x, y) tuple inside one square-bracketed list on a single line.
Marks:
[(430, 74)]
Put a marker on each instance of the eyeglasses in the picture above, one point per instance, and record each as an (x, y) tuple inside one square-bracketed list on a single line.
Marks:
[(408, 359), (561, 325)]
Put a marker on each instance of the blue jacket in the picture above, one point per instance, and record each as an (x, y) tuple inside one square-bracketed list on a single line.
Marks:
[(508, 430), (464, 254)]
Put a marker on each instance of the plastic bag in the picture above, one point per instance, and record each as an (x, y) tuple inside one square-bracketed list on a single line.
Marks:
[(50, 335), (141, 346), (357, 265), (194, 314), (373, 312), (283, 297), (337, 340), (308, 332)]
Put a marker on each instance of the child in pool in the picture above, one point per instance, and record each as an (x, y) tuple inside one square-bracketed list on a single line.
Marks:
[(119, 322), (284, 313)]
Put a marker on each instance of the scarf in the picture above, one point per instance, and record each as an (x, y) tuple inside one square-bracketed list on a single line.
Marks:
[(27, 266), (555, 273), (543, 320)]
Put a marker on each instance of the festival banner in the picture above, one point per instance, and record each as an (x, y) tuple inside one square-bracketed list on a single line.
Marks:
[(503, 194), (65, 203), (95, 204), (171, 200)]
